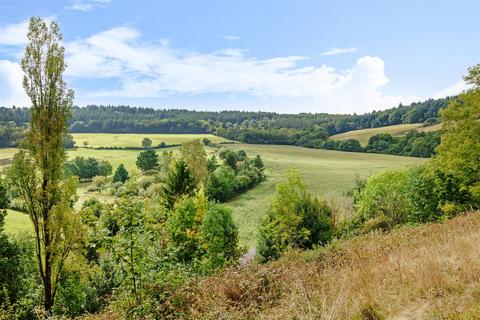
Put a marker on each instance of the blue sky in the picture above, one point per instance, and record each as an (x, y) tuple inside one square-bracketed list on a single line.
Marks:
[(285, 56)]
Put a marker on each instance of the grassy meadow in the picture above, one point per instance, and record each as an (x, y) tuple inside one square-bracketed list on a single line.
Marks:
[(17, 223), (397, 130), (323, 172), (135, 140)]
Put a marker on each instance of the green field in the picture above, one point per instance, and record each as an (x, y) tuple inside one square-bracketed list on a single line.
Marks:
[(397, 130), (323, 171), (17, 223), (134, 140)]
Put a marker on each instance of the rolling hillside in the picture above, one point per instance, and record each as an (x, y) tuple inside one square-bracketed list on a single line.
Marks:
[(323, 171), (417, 272), (397, 130)]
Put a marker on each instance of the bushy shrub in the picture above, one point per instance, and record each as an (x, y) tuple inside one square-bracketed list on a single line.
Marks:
[(17, 276), (203, 233), (414, 195), (184, 225), (121, 174), (145, 182), (386, 193), (295, 220), (221, 183), (219, 238), (87, 168)]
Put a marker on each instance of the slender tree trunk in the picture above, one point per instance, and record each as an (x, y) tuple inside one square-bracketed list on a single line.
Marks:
[(47, 290)]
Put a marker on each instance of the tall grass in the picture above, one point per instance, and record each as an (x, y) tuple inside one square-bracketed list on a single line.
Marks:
[(426, 272)]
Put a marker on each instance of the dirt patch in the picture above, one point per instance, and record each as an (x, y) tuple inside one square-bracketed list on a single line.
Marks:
[(5, 161)]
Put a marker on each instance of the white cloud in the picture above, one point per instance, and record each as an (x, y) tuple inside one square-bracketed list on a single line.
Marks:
[(335, 51), (157, 70), (452, 90), (11, 91), (82, 5), (230, 37), (14, 34), (135, 69)]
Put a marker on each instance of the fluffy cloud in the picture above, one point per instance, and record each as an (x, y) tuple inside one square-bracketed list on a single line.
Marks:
[(452, 90), (130, 68), (147, 70), (14, 34), (11, 91), (335, 51)]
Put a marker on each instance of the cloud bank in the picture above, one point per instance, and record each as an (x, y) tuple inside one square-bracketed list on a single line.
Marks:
[(124, 67)]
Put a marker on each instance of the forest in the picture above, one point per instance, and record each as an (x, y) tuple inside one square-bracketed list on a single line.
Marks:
[(306, 130)]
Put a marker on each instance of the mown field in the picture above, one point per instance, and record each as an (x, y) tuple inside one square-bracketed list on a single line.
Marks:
[(135, 140), (323, 171), (397, 130)]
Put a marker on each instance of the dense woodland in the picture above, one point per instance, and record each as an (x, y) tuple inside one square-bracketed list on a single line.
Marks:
[(306, 130)]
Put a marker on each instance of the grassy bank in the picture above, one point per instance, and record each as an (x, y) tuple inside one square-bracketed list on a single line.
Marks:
[(425, 272)]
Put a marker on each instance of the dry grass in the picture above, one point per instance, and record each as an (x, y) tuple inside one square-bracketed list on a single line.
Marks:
[(425, 272), (397, 130)]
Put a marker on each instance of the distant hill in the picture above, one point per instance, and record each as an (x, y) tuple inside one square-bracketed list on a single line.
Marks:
[(396, 130)]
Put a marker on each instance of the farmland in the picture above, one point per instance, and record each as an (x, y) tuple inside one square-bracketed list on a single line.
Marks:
[(396, 130), (323, 172), (134, 140)]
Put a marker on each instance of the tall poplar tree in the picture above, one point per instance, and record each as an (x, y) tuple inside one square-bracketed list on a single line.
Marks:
[(36, 171)]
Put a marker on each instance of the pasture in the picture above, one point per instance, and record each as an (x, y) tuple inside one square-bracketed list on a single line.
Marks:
[(323, 172), (397, 130), (135, 140)]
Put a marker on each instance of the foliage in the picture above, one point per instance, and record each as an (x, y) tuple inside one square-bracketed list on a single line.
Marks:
[(221, 183), (239, 173), (414, 144), (147, 160), (219, 238), (87, 168), (180, 181), (35, 173), (121, 174), (385, 194), (146, 143), (459, 150), (17, 274), (194, 155), (295, 220), (184, 225)]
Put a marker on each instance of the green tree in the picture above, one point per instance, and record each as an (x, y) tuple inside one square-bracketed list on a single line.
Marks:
[(104, 168), (180, 181), (258, 163), (36, 172), (4, 201), (218, 238), (221, 184), (295, 220), (121, 174), (458, 154), (184, 225), (147, 160), (473, 76), (132, 243), (196, 158), (146, 143)]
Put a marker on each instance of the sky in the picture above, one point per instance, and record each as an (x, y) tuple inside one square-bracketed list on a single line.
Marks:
[(283, 56)]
